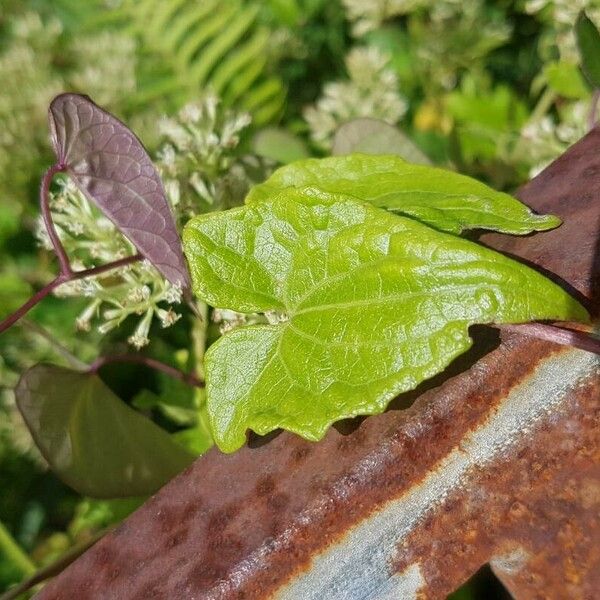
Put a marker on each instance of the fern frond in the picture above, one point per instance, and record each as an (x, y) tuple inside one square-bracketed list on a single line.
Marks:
[(207, 44)]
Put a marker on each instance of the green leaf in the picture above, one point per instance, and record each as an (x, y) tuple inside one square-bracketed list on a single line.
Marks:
[(91, 439), (279, 145), (92, 515), (588, 41), (442, 199), (372, 136), (369, 304), (565, 79)]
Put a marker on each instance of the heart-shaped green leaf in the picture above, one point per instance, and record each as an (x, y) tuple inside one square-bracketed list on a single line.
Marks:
[(367, 305), (440, 198), (91, 439)]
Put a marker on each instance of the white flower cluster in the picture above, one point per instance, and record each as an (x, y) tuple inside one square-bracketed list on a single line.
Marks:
[(199, 162), (546, 139), (135, 289), (28, 84), (371, 91), (563, 15), (456, 35), (367, 15), (230, 319), (106, 65)]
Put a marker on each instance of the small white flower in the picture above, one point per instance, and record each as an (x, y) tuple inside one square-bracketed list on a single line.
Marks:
[(138, 295), (139, 339), (83, 321), (173, 293), (371, 91), (273, 317), (167, 317)]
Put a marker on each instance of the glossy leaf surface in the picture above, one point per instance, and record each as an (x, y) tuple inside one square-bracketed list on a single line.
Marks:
[(369, 304), (112, 168), (91, 439), (440, 198)]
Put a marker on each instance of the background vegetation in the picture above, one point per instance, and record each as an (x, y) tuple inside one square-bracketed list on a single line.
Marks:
[(220, 97)]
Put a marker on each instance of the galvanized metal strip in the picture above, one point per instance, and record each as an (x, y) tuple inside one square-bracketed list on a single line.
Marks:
[(372, 544)]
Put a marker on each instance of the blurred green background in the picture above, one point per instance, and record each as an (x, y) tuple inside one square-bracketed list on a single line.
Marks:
[(220, 97)]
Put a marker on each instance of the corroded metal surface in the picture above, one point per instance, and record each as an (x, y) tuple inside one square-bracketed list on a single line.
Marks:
[(500, 463)]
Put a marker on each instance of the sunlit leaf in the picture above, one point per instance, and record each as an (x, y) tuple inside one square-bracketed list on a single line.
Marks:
[(369, 304), (112, 168), (440, 198), (372, 136), (91, 439)]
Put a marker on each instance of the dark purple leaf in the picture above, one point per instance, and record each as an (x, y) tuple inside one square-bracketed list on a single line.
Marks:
[(111, 167), (92, 440)]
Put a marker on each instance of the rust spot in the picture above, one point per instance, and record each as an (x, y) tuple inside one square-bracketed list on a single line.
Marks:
[(277, 502), (220, 519), (300, 453), (177, 537), (265, 485)]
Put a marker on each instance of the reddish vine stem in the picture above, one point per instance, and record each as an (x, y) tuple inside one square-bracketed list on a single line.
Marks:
[(63, 259), (557, 335), (66, 272), (59, 280), (188, 378)]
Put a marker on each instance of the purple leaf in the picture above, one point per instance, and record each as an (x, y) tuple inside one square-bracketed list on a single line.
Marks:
[(111, 167)]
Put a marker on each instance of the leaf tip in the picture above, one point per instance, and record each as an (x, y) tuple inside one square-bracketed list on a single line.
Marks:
[(547, 222)]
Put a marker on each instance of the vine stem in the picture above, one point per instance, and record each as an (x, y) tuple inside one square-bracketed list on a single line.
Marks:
[(188, 378), (66, 272), (59, 280), (557, 335), (63, 259)]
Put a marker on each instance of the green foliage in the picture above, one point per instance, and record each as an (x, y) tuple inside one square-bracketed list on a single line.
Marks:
[(588, 41), (197, 45), (484, 119), (92, 515), (565, 79), (91, 439), (367, 305), (442, 199), (13, 292)]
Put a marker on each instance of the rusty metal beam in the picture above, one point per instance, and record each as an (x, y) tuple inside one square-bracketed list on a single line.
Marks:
[(499, 463)]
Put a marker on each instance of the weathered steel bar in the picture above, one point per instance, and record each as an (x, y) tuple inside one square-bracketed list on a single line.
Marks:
[(499, 463)]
